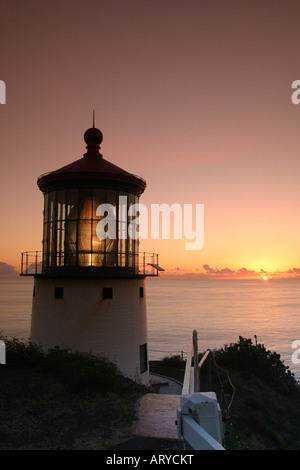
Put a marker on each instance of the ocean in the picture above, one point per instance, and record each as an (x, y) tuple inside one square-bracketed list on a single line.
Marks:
[(220, 311)]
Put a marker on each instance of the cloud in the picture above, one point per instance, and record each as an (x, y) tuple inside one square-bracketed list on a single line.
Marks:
[(208, 269), (6, 270), (294, 271), (217, 271), (248, 272), (208, 272)]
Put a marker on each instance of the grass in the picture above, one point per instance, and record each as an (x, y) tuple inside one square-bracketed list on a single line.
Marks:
[(38, 413), (63, 401)]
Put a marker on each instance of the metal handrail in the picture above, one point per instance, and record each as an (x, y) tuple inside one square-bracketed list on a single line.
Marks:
[(191, 376), (191, 381), (198, 367), (187, 373), (187, 426)]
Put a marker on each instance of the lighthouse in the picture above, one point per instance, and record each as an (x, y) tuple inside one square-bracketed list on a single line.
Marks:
[(89, 289)]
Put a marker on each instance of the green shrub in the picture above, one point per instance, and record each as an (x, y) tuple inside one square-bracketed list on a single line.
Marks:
[(174, 361), (79, 372), (256, 404), (248, 358), (22, 353), (82, 372)]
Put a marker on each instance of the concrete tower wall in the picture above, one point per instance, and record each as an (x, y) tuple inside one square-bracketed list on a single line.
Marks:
[(75, 314)]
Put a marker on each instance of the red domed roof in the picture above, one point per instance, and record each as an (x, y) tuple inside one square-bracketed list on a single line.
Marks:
[(91, 166)]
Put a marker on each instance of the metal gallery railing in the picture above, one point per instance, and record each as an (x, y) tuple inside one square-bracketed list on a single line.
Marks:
[(145, 264)]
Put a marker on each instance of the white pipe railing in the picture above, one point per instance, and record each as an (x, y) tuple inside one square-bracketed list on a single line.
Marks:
[(196, 436), (187, 428), (186, 388)]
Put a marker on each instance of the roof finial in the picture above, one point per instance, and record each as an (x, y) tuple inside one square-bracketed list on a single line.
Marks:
[(93, 138)]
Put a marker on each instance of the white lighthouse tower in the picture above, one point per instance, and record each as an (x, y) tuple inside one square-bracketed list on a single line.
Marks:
[(90, 293)]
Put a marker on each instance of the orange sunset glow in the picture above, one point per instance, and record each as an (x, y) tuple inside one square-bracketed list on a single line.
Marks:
[(194, 97)]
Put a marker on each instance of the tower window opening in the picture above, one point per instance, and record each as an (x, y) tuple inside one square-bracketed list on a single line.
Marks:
[(58, 292), (143, 358), (141, 292), (107, 293)]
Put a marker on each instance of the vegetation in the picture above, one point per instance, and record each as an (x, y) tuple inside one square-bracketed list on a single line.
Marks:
[(265, 410), (170, 366), (72, 400), (63, 400), (248, 358)]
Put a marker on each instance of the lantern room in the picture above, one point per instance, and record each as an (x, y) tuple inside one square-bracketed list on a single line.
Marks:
[(86, 220)]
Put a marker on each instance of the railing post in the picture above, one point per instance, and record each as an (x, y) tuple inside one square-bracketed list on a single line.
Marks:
[(209, 371), (187, 373), (196, 366)]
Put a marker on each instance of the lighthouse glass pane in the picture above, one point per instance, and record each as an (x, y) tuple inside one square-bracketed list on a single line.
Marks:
[(61, 247), (46, 208), (132, 230), (99, 197), (59, 228), (72, 204), (122, 229), (111, 197), (98, 244), (45, 245), (61, 204), (60, 242), (84, 243), (52, 243), (70, 243), (58, 238), (51, 230), (85, 204), (121, 252), (45, 230), (51, 206)]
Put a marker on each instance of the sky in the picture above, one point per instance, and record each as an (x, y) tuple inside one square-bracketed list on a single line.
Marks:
[(193, 96)]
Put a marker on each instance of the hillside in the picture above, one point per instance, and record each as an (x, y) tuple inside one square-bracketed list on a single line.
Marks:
[(72, 400)]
